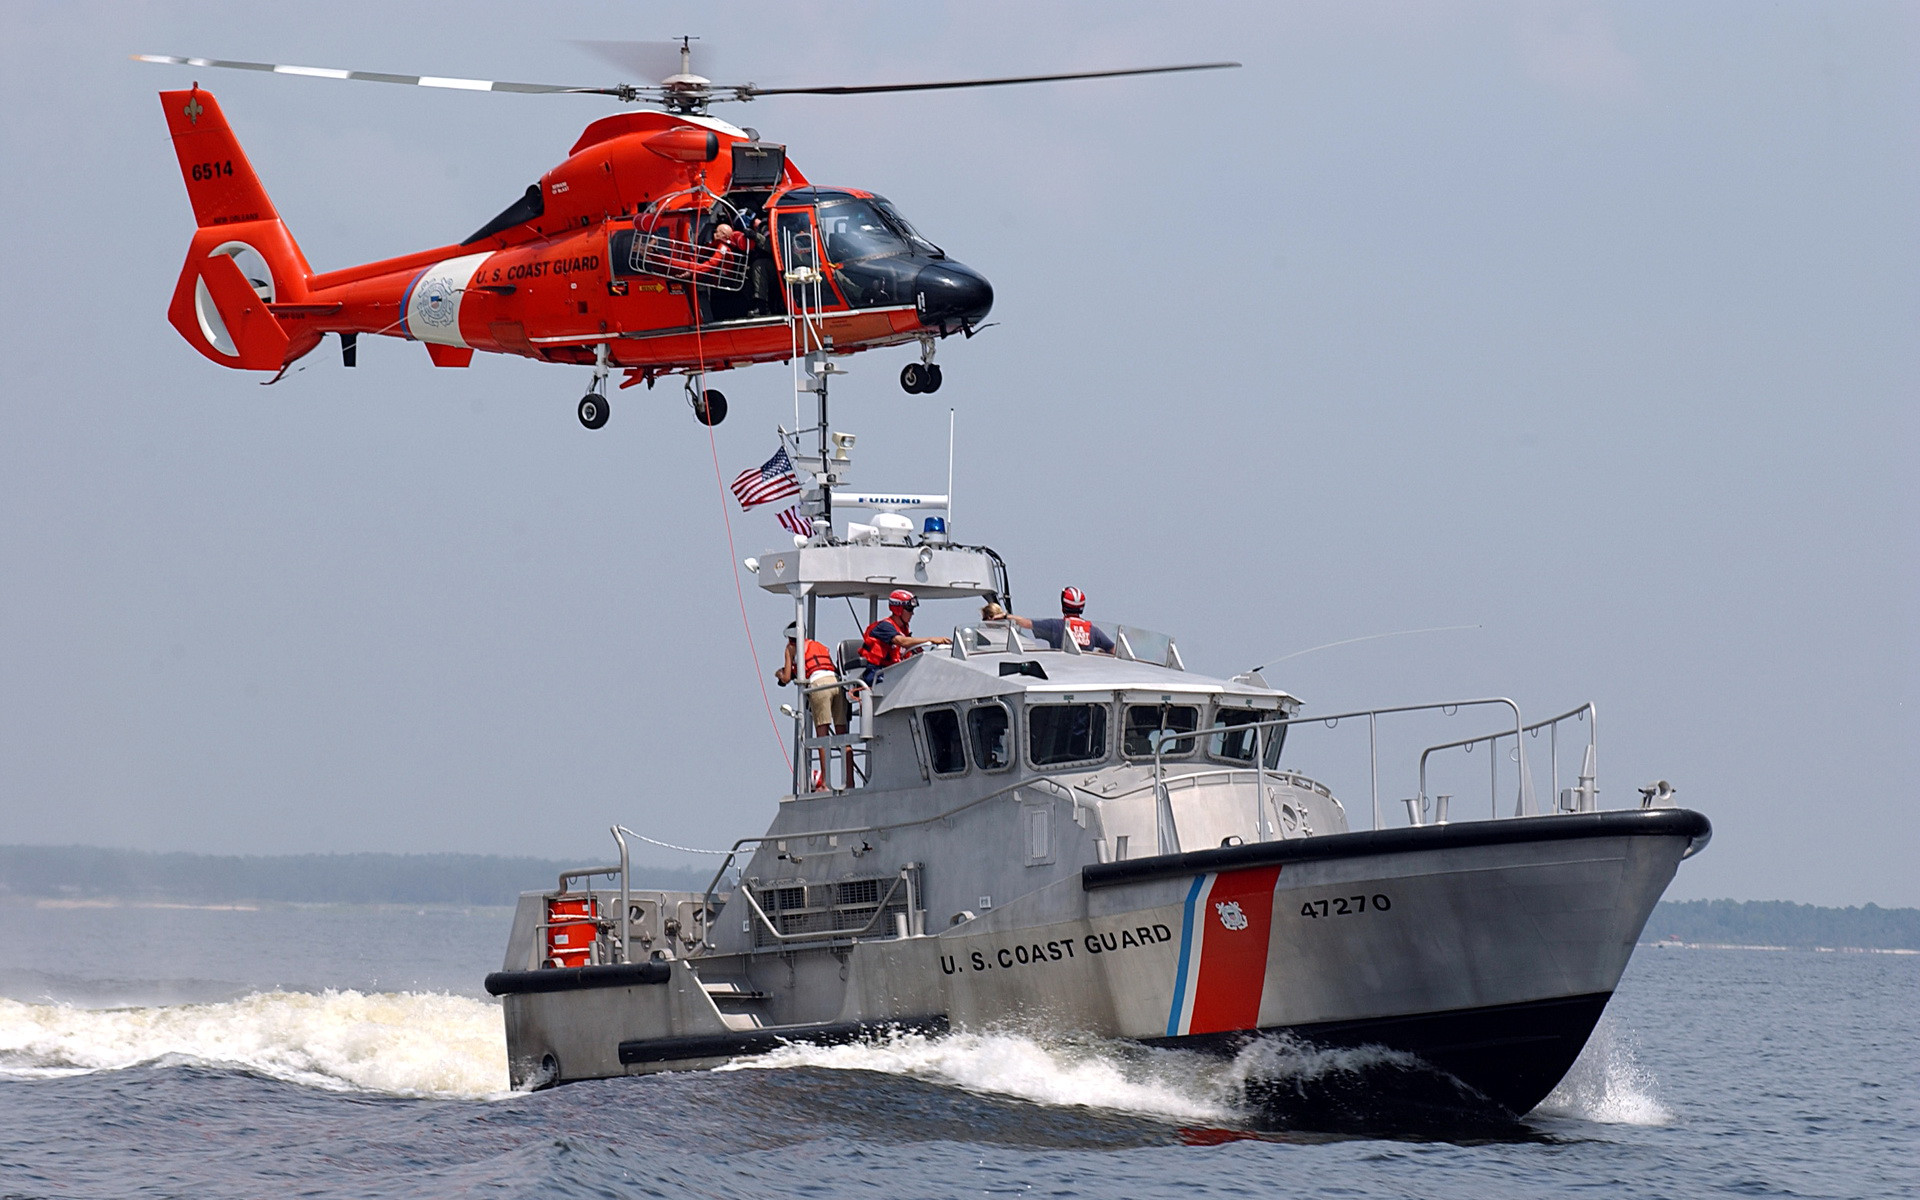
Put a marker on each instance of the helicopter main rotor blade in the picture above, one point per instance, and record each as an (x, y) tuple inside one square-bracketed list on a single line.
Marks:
[(622, 91), (750, 91)]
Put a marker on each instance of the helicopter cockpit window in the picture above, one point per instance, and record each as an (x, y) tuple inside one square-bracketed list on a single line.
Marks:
[(905, 228), (854, 230)]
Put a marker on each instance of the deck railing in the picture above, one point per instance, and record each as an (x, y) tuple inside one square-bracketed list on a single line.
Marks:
[(1583, 797), (1580, 798)]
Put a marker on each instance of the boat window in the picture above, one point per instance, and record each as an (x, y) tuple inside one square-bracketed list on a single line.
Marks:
[(854, 229), (1148, 724), (1064, 733), (988, 724), (1238, 745), (942, 726)]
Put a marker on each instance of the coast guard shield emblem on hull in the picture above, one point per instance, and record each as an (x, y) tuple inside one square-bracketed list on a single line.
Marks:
[(1231, 916)]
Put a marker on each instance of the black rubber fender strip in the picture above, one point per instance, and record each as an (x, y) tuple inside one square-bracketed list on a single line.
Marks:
[(760, 1041), (574, 979), (1633, 822)]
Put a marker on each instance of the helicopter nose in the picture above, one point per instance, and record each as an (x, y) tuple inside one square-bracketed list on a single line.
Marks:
[(950, 296)]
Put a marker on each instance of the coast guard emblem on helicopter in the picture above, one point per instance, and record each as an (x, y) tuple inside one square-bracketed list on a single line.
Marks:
[(434, 305), (1231, 916)]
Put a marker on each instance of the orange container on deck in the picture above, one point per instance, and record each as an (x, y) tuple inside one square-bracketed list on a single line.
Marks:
[(570, 943)]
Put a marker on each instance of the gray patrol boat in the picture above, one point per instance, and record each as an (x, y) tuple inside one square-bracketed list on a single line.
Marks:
[(1040, 836)]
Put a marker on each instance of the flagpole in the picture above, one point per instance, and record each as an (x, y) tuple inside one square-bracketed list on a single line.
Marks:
[(949, 473)]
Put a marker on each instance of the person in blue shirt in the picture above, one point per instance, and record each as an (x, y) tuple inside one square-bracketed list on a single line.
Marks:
[(1053, 631)]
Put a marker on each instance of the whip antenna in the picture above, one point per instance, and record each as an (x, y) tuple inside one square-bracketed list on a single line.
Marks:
[(1371, 637)]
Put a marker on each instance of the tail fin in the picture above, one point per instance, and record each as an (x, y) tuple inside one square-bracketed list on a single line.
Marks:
[(243, 259), (220, 180)]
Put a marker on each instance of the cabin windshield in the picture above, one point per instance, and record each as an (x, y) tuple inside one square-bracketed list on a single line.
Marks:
[(1064, 733), (1237, 744), (1158, 725)]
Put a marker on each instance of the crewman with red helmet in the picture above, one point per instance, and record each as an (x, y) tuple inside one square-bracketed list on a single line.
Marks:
[(890, 639), (1054, 631)]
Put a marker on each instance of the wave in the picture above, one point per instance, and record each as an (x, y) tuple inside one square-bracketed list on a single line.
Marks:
[(1065, 1071), (1607, 1084), (403, 1044), (1273, 1082)]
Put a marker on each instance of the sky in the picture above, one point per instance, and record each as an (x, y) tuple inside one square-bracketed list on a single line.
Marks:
[(1589, 327)]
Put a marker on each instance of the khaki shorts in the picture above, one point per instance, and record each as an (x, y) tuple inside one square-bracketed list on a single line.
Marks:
[(828, 705)]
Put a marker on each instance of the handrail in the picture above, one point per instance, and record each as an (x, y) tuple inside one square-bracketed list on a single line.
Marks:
[(858, 692), (1168, 836), (1587, 775), (734, 851), (1189, 777), (827, 935), (626, 897)]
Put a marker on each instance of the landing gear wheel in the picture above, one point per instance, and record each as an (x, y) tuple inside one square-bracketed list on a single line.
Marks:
[(913, 379), (930, 378), (593, 410), (710, 408)]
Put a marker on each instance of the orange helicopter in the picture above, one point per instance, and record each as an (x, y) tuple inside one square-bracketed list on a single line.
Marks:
[(668, 242)]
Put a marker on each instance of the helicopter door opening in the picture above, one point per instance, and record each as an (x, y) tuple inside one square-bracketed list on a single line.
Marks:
[(799, 247)]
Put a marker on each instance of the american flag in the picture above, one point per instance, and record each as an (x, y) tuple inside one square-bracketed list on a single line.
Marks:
[(771, 480), (800, 526)]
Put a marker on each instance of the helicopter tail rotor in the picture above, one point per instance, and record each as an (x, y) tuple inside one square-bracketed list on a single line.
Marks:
[(242, 260)]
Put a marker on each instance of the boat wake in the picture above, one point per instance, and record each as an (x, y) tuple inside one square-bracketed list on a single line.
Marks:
[(434, 1045), (402, 1044)]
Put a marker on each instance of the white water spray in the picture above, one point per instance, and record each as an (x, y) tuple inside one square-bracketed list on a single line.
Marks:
[(1174, 1085), (1607, 1084), (403, 1044)]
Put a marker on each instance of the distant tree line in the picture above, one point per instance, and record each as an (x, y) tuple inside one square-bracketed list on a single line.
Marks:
[(1779, 923), (90, 872)]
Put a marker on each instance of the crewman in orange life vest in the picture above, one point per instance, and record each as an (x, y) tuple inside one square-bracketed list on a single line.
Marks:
[(826, 699), (1085, 633), (889, 640)]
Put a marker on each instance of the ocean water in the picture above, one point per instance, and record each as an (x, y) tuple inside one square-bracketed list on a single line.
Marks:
[(349, 1052)]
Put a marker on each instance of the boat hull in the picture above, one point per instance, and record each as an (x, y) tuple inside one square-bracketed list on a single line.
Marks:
[(1487, 949)]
